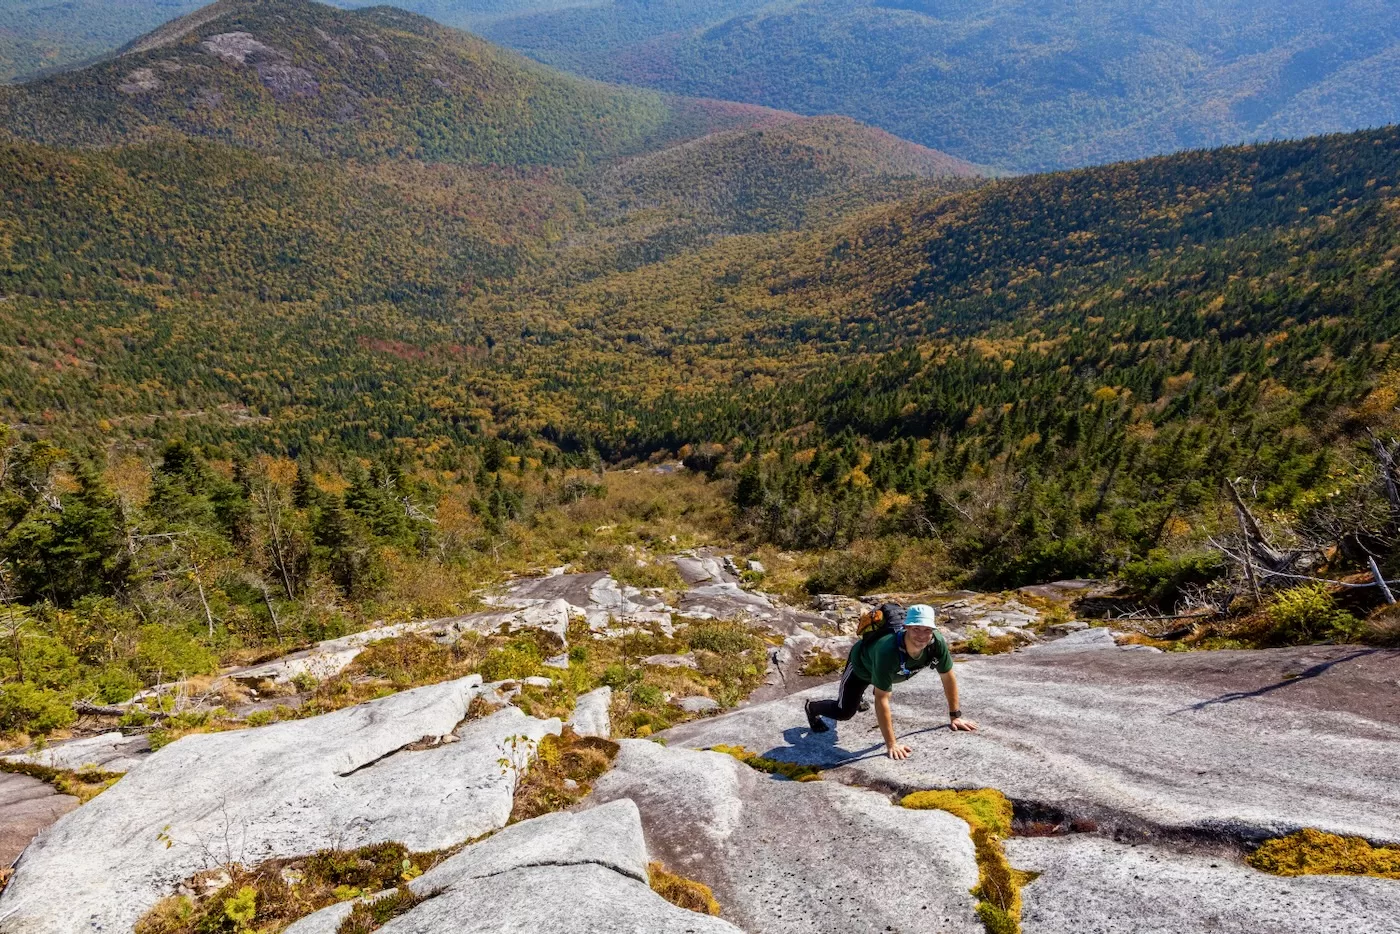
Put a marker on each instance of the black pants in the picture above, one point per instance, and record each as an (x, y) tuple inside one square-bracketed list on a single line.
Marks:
[(850, 689)]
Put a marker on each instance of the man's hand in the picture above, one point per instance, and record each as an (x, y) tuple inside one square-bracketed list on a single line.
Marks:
[(962, 724), (898, 751)]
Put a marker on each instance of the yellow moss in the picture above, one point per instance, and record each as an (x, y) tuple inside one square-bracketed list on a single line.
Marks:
[(678, 890), (1312, 852), (986, 808), (988, 813), (789, 770)]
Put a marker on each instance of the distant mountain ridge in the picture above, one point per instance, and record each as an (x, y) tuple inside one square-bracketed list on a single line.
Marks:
[(1025, 85)]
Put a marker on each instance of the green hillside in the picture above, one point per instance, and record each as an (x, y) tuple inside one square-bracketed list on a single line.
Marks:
[(1044, 376), (296, 76), (787, 175), (1019, 84)]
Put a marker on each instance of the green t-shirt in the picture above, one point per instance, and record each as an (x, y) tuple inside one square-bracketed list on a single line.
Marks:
[(878, 661)]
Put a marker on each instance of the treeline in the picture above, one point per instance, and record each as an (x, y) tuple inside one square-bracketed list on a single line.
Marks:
[(119, 571)]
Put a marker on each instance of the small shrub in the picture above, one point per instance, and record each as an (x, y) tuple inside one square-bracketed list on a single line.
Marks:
[(559, 760), (305, 682), (819, 664), (163, 652), (520, 659), (980, 643), (1307, 614), (242, 907), (260, 718), (30, 709), (648, 695), (682, 892), (722, 638)]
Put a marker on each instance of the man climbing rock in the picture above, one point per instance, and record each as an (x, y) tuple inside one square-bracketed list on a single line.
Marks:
[(891, 651)]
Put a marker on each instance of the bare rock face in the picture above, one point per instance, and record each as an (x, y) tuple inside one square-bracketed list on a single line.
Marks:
[(343, 779), (1232, 745), (27, 806), (787, 856), (1088, 883), (600, 599), (108, 752), (564, 873)]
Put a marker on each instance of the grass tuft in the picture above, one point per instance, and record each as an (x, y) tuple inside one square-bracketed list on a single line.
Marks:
[(680, 891), (1313, 852)]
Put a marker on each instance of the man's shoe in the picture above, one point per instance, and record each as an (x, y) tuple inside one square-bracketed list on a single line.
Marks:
[(814, 721)]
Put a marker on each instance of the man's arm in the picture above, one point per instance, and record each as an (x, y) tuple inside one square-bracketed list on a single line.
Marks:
[(886, 719), (950, 691)]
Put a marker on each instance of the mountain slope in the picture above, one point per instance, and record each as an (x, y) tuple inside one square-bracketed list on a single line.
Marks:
[(1021, 84), (787, 175), (296, 76)]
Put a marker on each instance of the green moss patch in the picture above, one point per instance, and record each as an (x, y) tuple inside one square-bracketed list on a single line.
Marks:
[(988, 814), (790, 770), (1312, 852)]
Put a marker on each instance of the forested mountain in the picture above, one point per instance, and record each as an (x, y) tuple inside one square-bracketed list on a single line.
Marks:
[(298, 77), (1020, 84)]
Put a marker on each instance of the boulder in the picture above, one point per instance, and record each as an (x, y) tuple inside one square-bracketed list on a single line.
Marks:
[(671, 661), (109, 752), (787, 856), (563, 873), (1081, 640), (697, 704), (591, 717), (560, 661), (1234, 745), (345, 779), (1088, 883), (701, 569)]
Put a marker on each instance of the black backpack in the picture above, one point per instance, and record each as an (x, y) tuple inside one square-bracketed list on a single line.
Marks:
[(881, 621)]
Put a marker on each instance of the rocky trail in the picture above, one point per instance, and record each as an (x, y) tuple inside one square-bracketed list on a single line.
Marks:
[(1138, 781)]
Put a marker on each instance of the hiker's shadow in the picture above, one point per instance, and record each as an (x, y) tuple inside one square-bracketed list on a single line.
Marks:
[(822, 750)]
